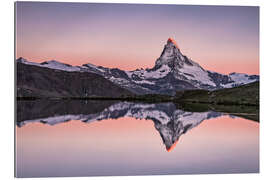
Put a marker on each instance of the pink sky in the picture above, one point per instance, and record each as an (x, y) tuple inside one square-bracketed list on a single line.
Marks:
[(222, 39)]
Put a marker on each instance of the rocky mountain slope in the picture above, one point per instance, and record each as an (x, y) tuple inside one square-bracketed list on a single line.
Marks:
[(36, 81)]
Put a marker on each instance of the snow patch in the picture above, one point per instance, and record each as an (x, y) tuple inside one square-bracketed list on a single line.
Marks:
[(239, 79), (198, 74), (144, 74), (144, 82), (60, 66), (89, 65)]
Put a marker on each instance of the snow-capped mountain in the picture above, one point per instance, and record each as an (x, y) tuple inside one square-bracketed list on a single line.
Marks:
[(173, 71), (169, 121), (240, 79), (53, 64)]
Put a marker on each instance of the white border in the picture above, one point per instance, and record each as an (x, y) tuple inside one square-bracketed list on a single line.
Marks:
[(7, 88)]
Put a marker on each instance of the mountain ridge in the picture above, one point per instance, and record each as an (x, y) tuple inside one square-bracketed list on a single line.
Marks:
[(44, 82), (172, 72)]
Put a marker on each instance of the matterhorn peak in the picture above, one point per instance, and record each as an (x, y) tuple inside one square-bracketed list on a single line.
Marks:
[(170, 55), (171, 40)]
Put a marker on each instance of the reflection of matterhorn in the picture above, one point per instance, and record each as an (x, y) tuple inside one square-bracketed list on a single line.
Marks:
[(181, 123), (169, 121)]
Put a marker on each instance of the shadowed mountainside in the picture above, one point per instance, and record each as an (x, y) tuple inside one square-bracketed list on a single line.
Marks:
[(34, 81)]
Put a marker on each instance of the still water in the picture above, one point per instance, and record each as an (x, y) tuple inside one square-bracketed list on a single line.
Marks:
[(93, 138)]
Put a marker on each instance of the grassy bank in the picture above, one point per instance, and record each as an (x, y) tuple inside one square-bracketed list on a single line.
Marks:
[(242, 95)]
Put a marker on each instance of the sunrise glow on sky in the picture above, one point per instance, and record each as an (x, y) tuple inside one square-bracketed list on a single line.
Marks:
[(224, 39)]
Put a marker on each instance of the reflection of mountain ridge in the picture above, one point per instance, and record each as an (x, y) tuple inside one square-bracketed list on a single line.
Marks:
[(38, 109), (168, 120)]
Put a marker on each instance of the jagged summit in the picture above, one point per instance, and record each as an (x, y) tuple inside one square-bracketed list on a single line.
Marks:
[(171, 40), (170, 55), (173, 58)]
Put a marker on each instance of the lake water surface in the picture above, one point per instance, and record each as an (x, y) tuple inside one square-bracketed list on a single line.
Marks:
[(94, 138)]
